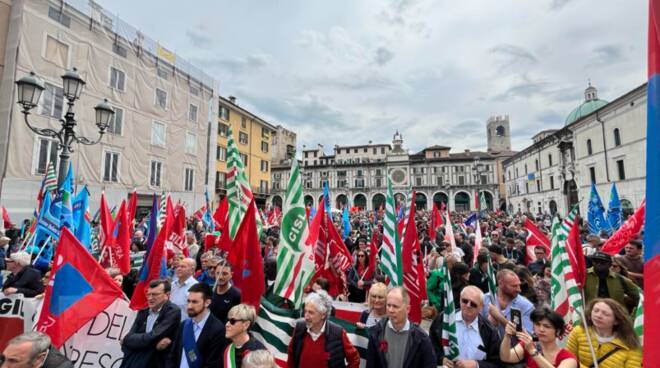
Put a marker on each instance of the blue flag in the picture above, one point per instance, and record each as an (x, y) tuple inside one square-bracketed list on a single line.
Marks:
[(471, 220), (81, 218), (207, 218), (66, 206), (614, 211), (347, 223), (151, 239), (48, 226), (596, 213), (326, 199), (312, 213)]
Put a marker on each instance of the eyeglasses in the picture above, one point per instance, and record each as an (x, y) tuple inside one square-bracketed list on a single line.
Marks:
[(232, 321), (361, 256), (469, 302)]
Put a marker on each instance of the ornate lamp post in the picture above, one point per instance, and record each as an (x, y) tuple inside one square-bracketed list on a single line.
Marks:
[(29, 92), (478, 169)]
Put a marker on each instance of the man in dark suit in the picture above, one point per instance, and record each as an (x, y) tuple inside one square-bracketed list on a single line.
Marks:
[(23, 278), (148, 342), (200, 340)]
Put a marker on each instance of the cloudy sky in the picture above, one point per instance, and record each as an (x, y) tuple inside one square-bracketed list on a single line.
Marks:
[(349, 71)]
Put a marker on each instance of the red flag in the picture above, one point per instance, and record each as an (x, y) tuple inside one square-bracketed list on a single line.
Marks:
[(5, 218), (78, 290), (176, 237), (132, 210), (414, 279), (626, 232), (318, 235), (245, 258), (373, 253), (576, 254), (106, 223), (154, 264), (220, 214), (122, 242), (274, 216), (534, 237), (436, 221), (442, 207), (339, 259), (200, 212)]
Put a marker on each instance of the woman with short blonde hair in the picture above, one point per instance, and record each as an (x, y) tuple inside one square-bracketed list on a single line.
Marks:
[(239, 320), (376, 310)]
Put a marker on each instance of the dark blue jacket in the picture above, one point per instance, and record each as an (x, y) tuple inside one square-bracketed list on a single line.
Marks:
[(419, 352)]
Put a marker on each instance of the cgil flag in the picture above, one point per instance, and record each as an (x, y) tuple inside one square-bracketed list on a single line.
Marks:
[(295, 259), (414, 279), (77, 291), (626, 232), (534, 238)]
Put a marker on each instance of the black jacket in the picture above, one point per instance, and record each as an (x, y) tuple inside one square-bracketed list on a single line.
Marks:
[(489, 337), (139, 347), (55, 359), (419, 352), (27, 282), (211, 344), (334, 343)]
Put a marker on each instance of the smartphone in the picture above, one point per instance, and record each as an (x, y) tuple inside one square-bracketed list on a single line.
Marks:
[(516, 318)]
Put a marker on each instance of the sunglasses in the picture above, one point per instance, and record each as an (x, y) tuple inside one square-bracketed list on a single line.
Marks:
[(469, 302), (232, 321), (361, 256)]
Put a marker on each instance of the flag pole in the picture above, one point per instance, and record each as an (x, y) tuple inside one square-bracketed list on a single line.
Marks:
[(41, 250), (586, 332), (26, 241)]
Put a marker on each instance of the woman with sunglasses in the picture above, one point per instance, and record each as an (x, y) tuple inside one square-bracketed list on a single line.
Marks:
[(377, 309), (239, 320), (548, 326), (359, 277)]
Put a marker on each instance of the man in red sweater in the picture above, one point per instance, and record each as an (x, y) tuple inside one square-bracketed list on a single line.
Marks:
[(319, 343)]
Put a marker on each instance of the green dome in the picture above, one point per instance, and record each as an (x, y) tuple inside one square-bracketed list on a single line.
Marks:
[(591, 103)]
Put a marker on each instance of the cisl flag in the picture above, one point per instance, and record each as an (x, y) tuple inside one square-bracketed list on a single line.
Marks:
[(78, 290)]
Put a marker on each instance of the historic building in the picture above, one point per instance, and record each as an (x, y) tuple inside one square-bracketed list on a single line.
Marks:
[(357, 175), (601, 142), (157, 141), (252, 136)]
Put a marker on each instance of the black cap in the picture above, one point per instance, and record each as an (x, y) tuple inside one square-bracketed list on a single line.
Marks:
[(495, 249), (601, 256)]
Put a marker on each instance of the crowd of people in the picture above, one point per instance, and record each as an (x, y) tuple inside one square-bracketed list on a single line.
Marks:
[(195, 317)]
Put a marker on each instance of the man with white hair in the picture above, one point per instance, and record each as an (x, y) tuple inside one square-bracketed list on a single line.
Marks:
[(478, 340), (33, 349), (317, 342), (182, 281), (23, 278)]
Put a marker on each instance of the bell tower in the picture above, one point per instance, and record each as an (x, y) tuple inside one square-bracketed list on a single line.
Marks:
[(498, 134)]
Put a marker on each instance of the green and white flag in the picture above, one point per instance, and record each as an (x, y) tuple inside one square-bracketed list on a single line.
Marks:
[(638, 324), (565, 294), (483, 205), (406, 211), (492, 280), (274, 328), (50, 183), (239, 193), (390, 250), (295, 259), (449, 337)]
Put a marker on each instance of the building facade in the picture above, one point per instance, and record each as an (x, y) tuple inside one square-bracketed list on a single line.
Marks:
[(284, 145), (253, 138), (157, 141), (357, 176), (601, 143)]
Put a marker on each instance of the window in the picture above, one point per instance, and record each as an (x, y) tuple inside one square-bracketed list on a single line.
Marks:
[(264, 165), (358, 172), (192, 113), (379, 182), (536, 164), (221, 154), (264, 132), (617, 137), (243, 122), (341, 173), (119, 50), (418, 181), (342, 183), (374, 151), (191, 143), (244, 158), (161, 98), (117, 121), (189, 179), (117, 79), (243, 138), (223, 113), (592, 175), (379, 172), (413, 170), (57, 52), (483, 179), (549, 159), (194, 90), (526, 187), (155, 173), (263, 186), (526, 171), (223, 129), (158, 134), (220, 180), (46, 152), (264, 147), (52, 100), (59, 17), (359, 183), (461, 180), (438, 180), (538, 185), (162, 72), (589, 150), (111, 166), (365, 149), (621, 169), (552, 182)]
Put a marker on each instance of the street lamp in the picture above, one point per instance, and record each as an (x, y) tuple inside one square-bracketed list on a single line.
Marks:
[(29, 92), (478, 169)]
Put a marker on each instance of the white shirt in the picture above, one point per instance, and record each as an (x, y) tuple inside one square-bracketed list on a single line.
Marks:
[(197, 330), (179, 295), (406, 326), (469, 339), (315, 336), (151, 319)]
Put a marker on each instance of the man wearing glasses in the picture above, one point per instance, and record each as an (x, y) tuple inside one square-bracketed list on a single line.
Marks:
[(478, 340), (536, 267), (148, 341)]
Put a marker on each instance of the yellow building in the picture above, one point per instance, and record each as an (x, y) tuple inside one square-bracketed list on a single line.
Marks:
[(253, 137)]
